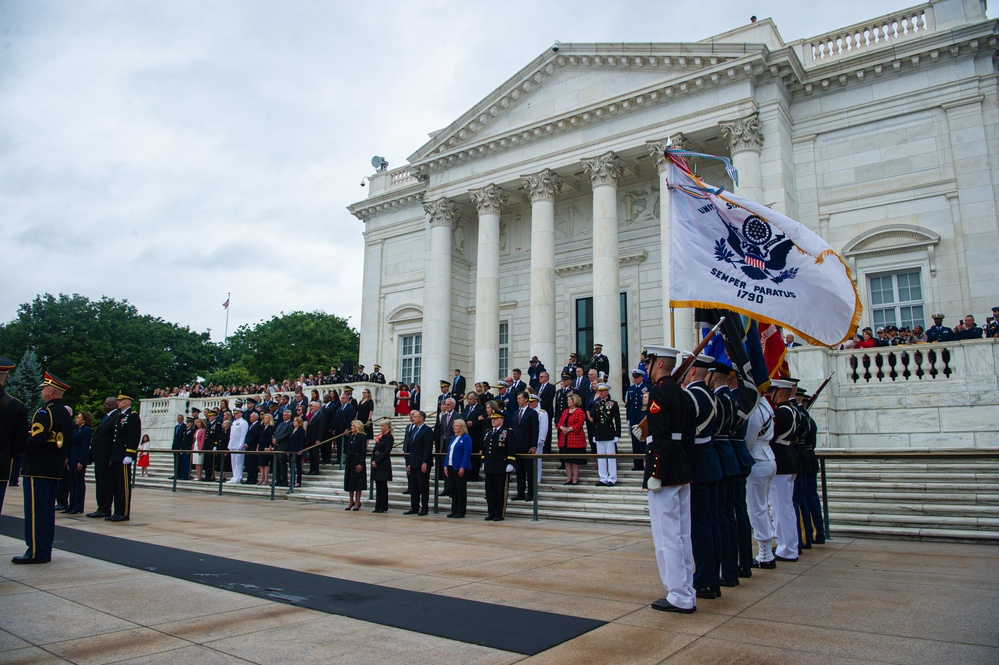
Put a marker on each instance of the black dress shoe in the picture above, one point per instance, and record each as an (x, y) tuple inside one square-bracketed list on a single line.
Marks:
[(729, 582), (489, 518), (806, 546), (529, 498), (406, 492), (410, 512), (98, 513), (600, 483), (61, 506), (706, 594), (459, 517), (118, 518), (519, 497), (766, 565), (745, 572), (423, 513), (781, 558), (497, 519), (450, 514), (819, 541), (664, 605), (28, 559), (445, 494)]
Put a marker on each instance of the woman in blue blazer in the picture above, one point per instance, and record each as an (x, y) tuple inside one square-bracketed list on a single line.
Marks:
[(79, 458), (458, 468)]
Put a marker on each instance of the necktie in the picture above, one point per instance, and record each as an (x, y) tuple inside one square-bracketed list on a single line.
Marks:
[(520, 415)]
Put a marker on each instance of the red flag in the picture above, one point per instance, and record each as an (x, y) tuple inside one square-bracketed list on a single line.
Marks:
[(774, 352)]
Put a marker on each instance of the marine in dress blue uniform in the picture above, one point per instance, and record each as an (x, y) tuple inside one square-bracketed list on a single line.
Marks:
[(727, 526), (45, 457), (634, 407)]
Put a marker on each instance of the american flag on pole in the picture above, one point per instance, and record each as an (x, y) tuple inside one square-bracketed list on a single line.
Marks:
[(226, 304)]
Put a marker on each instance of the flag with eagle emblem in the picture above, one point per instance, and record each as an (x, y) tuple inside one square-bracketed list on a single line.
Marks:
[(728, 252)]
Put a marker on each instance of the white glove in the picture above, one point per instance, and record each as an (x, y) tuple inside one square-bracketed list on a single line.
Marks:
[(637, 431), (127, 460), (509, 468), (655, 484), (616, 439), (648, 439)]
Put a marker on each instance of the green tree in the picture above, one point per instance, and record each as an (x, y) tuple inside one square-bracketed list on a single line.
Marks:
[(100, 347), (292, 344), (23, 383)]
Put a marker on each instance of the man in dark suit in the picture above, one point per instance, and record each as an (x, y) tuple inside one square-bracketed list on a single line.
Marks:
[(534, 371), (124, 447), (474, 416), (546, 398), (178, 443), (418, 464), (517, 386), (458, 388), (329, 410), (525, 437), (313, 435), (344, 416), (407, 440), (443, 431), (100, 453)]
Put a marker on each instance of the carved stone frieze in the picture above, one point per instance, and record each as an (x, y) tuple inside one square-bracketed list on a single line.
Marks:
[(743, 133), (489, 199), (543, 185), (604, 170), (442, 212)]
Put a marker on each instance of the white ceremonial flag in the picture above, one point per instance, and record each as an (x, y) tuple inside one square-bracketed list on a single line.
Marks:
[(729, 252)]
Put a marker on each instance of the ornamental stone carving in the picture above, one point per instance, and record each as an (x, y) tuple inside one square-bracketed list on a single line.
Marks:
[(743, 134), (489, 199), (604, 170), (544, 185), (442, 212), (657, 148)]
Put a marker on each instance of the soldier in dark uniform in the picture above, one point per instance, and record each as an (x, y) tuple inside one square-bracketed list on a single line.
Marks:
[(938, 332), (706, 471), (562, 395), (100, 453), (667, 478), (457, 389), (486, 396), (737, 436), (213, 441), (782, 489), (727, 528), (811, 508), (600, 362), (377, 376), (570, 367), (634, 407), (45, 457), (606, 417), (127, 433), (497, 463), (992, 324), (361, 374), (13, 427)]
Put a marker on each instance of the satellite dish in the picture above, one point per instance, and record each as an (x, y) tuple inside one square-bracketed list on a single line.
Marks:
[(380, 163)]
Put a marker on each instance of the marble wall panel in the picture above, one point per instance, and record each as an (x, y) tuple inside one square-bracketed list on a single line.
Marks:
[(908, 420)]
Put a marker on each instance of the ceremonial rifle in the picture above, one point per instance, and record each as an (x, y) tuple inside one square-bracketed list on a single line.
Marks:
[(641, 430), (816, 395)]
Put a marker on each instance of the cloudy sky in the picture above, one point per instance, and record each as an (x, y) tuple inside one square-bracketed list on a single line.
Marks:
[(170, 152)]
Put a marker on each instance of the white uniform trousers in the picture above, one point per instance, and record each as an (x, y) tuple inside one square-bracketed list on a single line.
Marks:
[(757, 496), (785, 525), (607, 467), (237, 467), (669, 512)]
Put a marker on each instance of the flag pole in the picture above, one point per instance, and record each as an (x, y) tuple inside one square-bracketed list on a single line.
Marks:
[(228, 297), (672, 328)]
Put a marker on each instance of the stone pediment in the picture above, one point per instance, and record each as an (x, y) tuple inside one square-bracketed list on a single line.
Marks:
[(581, 84), (892, 239)]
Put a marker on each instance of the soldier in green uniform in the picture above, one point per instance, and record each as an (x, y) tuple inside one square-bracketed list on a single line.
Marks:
[(13, 427), (46, 454)]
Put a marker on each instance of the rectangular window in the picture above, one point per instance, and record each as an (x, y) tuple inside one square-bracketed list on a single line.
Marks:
[(504, 350), (896, 299), (412, 348), (584, 330)]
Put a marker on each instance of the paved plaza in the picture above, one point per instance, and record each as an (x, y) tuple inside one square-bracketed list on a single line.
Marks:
[(848, 601)]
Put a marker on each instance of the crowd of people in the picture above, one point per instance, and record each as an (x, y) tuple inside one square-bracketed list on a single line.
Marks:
[(336, 375), (891, 335)]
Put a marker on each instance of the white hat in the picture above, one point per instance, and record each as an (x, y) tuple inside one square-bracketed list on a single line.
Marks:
[(662, 351), (781, 384)]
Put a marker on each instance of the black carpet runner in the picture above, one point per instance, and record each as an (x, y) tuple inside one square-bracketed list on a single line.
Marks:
[(496, 626)]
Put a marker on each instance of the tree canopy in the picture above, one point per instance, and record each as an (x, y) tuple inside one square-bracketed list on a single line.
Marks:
[(291, 344)]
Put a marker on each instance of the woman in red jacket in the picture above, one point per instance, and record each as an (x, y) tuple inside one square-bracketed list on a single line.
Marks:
[(572, 438)]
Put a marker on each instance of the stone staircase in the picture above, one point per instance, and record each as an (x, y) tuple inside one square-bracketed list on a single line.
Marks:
[(938, 499)]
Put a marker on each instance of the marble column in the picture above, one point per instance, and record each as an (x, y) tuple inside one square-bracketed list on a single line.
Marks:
[(678, 330), (488, 202), (543, 186), (443, 214), (745, 140), (605, 171)]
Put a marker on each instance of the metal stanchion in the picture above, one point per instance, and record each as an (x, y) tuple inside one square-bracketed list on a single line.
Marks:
[(273, 473), (825, 497), (291, 473), (437, 487), (219, 456), (176, 469), (534, 470)]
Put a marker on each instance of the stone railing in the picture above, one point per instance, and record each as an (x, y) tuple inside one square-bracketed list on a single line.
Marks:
[(910, 397), (916, 362), (903, 24)]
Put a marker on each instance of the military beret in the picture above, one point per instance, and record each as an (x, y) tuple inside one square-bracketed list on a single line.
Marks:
[(6, 364)]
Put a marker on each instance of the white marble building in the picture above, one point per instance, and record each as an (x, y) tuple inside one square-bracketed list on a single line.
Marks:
[(522, 227)]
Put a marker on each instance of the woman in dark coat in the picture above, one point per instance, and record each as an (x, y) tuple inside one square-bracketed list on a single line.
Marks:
[(365, 412), (79, 457), (355, 476), (381, 465)]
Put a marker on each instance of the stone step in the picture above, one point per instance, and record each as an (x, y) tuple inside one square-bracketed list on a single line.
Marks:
[(955, 498), (945, 487), (899, 508), (910, 533), (922, 521)]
